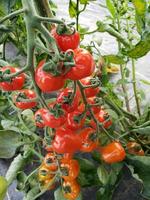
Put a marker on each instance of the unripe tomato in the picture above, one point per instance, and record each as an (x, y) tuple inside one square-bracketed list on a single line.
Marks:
[(135, 148), (44, 173), (16, 83), (113, 153), (71, 189), (69, 168), (84, 65), (25, 94), (65, 41), (46, 81)]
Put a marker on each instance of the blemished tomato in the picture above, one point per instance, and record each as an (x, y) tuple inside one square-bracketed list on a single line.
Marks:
[(15, 83), (39, 117), (44, 173), (135, 148), (84, 65), (113, 152), (69, 168), (50, 161), (65, 41), (75, 120), (46, 81), (71, 189), (49, 184), (91, 91), (89, 139), (66, 141), (64, 99), (103, 118), (54, 119), (24, 95)]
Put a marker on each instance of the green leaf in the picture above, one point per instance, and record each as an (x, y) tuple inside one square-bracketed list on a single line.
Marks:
[(72, 9), (141, 166), (3, 187), (145, 82), (111, 7), (104, 194), (84, 1), (9, 142), (9, 125), (32, 193), (3, 63), (143, 130), (103, 175), (115, 59), (14, 168), (58, 194), (85, 165), (5, 6), (140, 6)]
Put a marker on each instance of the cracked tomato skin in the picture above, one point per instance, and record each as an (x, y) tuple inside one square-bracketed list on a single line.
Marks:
[(71, 189), (30, 94), (46, 81), (84, 65), (68, 107), (66, 141), (16, 83), (113, 152), (65, 41)]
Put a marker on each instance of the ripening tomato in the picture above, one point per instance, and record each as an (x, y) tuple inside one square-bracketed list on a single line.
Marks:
[(46, 81), (15, 83), (48, 184), (91, 91), (135, 148), (71, 189), (54, 118), (103, 118), (50, 161), (44, 173), (84, 65), (113, 153), (22, 97), (64, 98), (89, 139), (66, 141), (69, 169), (39, 117), (65, 41), (75, 120)]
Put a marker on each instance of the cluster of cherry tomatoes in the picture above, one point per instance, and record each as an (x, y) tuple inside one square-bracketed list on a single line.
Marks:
[(73, 127)]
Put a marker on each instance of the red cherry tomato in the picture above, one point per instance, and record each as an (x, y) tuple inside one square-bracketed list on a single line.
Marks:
[(16, 83), (64, 99), (89, 92), (65, 41), (66, 141), (46, 81), (75, 120), (69, 168), (113, 152), (25, 94), (103, 118), (39, 117), (135, 148), (71, 189), (84, 65), (89, 139), (50, 161)]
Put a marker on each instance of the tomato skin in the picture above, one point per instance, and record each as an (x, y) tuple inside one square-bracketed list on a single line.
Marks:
[(66, 141), (39, 114), (101, 118), (87, 144), (89, 92), (113, 153), (50, 161), (84, 65), (44, 173), (66, 106), (71, 189), (30, 94), (72, 168), (16, 82), (46, 81), (66, 42), (46, 183), (71, 123), (135, 148)]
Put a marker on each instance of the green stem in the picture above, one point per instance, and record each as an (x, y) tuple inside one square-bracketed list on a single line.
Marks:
[(49, 20), (135, 88), (11, 15), (77, 17)]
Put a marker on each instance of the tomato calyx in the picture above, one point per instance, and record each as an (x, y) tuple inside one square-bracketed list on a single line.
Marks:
[(21, 96), (57, 110), (79, 117), (65, 29), (3, 76)]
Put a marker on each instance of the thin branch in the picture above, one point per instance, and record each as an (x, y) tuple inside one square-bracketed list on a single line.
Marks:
[(49, 20)]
